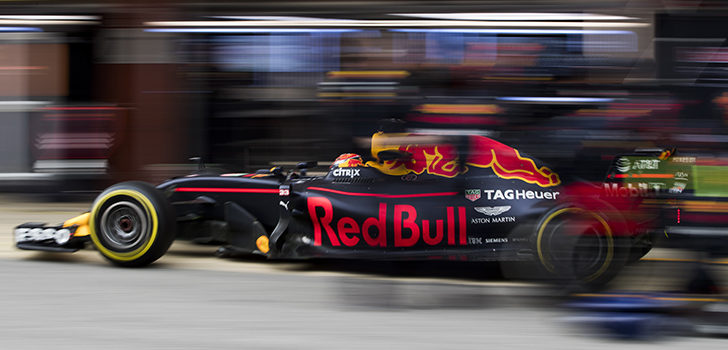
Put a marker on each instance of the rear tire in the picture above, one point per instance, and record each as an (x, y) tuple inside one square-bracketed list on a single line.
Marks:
[(132, 224), (577, 245)]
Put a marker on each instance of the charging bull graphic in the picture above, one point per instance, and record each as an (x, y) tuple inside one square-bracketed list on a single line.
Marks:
[(507, 163), (442, 160), (438, 160)]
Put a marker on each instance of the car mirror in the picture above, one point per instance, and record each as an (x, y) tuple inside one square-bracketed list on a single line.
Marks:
[(388, 155)]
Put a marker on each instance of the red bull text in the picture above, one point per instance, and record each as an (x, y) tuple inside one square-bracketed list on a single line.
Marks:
[(373, 231)]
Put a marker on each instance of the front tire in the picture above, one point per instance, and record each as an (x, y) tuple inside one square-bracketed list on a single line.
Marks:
[(132, 224)]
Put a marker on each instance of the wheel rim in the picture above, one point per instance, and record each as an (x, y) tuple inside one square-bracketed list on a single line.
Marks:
[(99, 237), (124, 225), (576, 241)]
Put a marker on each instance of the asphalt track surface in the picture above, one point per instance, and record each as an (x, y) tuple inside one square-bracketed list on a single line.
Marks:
[(192, 300)]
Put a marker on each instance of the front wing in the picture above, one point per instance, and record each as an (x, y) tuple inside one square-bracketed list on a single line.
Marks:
[(69, 236)]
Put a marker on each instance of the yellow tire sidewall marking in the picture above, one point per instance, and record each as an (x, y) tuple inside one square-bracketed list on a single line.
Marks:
[(148, 208), (608, 233)]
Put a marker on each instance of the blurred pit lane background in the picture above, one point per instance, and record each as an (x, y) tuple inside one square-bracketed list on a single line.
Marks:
[(97, 92), (94, 92)]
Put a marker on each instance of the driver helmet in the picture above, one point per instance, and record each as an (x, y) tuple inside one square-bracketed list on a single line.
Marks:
[(347, 160)]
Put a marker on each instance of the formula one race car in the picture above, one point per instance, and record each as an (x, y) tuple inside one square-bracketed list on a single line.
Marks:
[(419, 197)]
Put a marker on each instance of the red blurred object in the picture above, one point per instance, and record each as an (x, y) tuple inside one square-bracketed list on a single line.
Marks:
[(78, 139)]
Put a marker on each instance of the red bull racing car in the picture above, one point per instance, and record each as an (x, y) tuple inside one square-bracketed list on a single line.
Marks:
[(418, 197)]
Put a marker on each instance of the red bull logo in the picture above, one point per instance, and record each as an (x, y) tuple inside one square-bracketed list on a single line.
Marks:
[(373, 231), (441, 160)]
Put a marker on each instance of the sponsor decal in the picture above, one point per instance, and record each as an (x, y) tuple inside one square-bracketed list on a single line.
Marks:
[(24, 234), (407, 230), (283, 204), (632, 190), (346, 172), (683, 159), (472, 195), (481, 241), (646, 164), (623, 165), (475, 240), (519, 194), (677, 187), (493, 211), (495, 220), (409, 177), (441, 160)]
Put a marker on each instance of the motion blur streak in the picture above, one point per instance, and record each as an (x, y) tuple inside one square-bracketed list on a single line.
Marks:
[(520, 16), (624, 102), (393, 24)]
